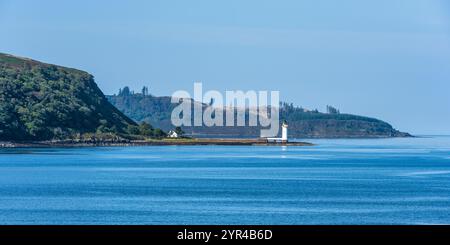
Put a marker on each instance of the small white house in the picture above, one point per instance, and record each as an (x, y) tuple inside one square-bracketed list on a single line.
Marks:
[(172, 134)]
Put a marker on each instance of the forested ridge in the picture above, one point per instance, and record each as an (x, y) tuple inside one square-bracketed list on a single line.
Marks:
[(142, 106)]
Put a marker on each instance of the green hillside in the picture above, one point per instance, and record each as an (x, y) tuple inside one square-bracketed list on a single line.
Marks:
[(41, 101)]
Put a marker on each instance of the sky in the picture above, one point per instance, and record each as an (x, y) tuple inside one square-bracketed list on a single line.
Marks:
[(388, 59)]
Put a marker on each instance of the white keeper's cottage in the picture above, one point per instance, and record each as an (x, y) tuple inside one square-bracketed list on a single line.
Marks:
[(172, 134)]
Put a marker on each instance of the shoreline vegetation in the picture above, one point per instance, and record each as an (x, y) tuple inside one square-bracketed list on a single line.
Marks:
[(147, 142)]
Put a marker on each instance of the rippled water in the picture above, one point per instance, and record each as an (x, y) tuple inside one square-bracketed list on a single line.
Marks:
[(377, 181)]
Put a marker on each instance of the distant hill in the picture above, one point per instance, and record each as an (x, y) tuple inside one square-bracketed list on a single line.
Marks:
[(302, 123), (40, 101)]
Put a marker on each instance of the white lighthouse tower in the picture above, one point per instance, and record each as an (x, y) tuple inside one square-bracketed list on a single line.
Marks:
[(284, 135), (284, 132)]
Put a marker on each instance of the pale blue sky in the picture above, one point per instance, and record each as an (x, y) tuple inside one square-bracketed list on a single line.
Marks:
[(383, 58)]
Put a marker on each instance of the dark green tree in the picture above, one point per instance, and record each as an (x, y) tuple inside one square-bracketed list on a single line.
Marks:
[(179, 131), (332, 110), (145, 129), (158, 133), (145, 91), (133, 130), (126, 91)]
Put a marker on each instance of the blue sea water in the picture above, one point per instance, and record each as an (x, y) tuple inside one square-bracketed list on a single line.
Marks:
[(353, 181)]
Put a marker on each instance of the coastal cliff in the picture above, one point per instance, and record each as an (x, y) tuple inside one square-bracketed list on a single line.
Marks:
[(40, 101)]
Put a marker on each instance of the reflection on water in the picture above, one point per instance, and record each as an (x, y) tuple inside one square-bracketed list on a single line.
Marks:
[(366, 181)]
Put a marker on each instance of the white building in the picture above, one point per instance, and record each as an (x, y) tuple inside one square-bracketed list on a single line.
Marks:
[(284, 135), (284, 132), (172, 134)]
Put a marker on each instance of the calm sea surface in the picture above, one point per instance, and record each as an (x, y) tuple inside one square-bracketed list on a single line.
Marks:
[(377, 181)]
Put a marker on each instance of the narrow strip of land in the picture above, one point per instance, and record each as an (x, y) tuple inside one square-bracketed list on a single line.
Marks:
[(151, 142)]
